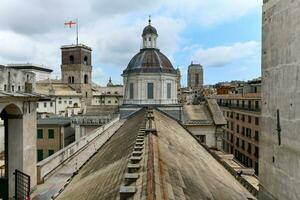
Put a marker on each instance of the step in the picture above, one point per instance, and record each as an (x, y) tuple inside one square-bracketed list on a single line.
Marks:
[(138, 148), (137, 153), (127, 190), (131, 176), (135, 159)]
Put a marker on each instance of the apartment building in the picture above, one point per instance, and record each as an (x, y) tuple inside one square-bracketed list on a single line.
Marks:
[(242, 112), (53, 134)]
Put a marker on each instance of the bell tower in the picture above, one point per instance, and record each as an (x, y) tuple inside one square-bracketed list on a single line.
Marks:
[(76, 69)]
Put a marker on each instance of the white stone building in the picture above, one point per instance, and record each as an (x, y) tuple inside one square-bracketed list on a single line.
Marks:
[(150, 78), (41, 72), (59, 99), (18, 112), (14, 80), (109, 95)]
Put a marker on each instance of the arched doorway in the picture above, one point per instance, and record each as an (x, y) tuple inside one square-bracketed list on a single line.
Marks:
[(12, 157)]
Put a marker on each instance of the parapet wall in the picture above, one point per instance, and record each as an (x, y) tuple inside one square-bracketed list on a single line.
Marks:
[(45, 167)]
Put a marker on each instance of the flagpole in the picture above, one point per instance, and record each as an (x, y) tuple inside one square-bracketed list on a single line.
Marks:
[(76, 31)]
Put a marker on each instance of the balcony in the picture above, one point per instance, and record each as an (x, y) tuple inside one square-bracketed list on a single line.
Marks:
[(240, 107)]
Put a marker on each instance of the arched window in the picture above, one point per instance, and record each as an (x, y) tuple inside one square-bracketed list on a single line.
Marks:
[(85, 60), (71, 59), (86, 79), (70, 80)]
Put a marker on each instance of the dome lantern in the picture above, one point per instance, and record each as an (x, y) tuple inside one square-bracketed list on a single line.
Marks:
[(149, 36)]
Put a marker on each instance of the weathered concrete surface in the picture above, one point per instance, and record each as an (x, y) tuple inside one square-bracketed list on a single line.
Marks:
[(21, 137), (197, 112), (187, 170), (216, 112), (59, 177), (102, 176), (173, 166), (49, 164), (280, 164), (205, 122)]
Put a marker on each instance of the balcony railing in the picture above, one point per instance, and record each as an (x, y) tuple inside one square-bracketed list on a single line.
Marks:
[(234, 106)]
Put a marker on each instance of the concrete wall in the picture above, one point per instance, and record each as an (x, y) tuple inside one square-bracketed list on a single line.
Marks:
[(1, 136), (14, 80), (29, 143), (208, 131), (21, 139), (280, 163), (51, 163)]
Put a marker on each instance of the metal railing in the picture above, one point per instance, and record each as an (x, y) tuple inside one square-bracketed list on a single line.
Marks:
[(255, 109), (22, 185), (2, 171)]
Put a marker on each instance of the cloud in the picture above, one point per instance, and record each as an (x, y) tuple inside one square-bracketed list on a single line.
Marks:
[(213, 12), (33, 30), (224, 55), (15, 47), (120, 42), (98, 74)]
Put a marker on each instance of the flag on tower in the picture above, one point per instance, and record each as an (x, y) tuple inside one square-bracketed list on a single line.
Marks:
[(70, 24)]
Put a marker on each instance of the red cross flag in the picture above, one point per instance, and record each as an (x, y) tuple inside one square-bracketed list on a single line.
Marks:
[(70, 23)]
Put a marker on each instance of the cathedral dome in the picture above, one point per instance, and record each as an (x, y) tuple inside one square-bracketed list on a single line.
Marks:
[(150, 60)]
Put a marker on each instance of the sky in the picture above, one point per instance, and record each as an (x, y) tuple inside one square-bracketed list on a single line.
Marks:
[(224, 36)]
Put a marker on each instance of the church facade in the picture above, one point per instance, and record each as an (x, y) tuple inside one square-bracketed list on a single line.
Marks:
[(150, 78)]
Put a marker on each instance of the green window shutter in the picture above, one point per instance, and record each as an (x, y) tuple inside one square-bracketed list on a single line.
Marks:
[(50, 152), (40, 133), (50, 133), (40, 155)]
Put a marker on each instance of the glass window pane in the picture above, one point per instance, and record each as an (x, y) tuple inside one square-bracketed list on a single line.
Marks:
[(150, 90), (131, 90), (40, 155), (50, 152), (50, 133), (169, 90), (40, 133)]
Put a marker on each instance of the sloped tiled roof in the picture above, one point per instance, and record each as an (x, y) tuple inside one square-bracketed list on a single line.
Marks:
[(102, 176), (162, 160), (197, 113), (58, 89), (216, 112)]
